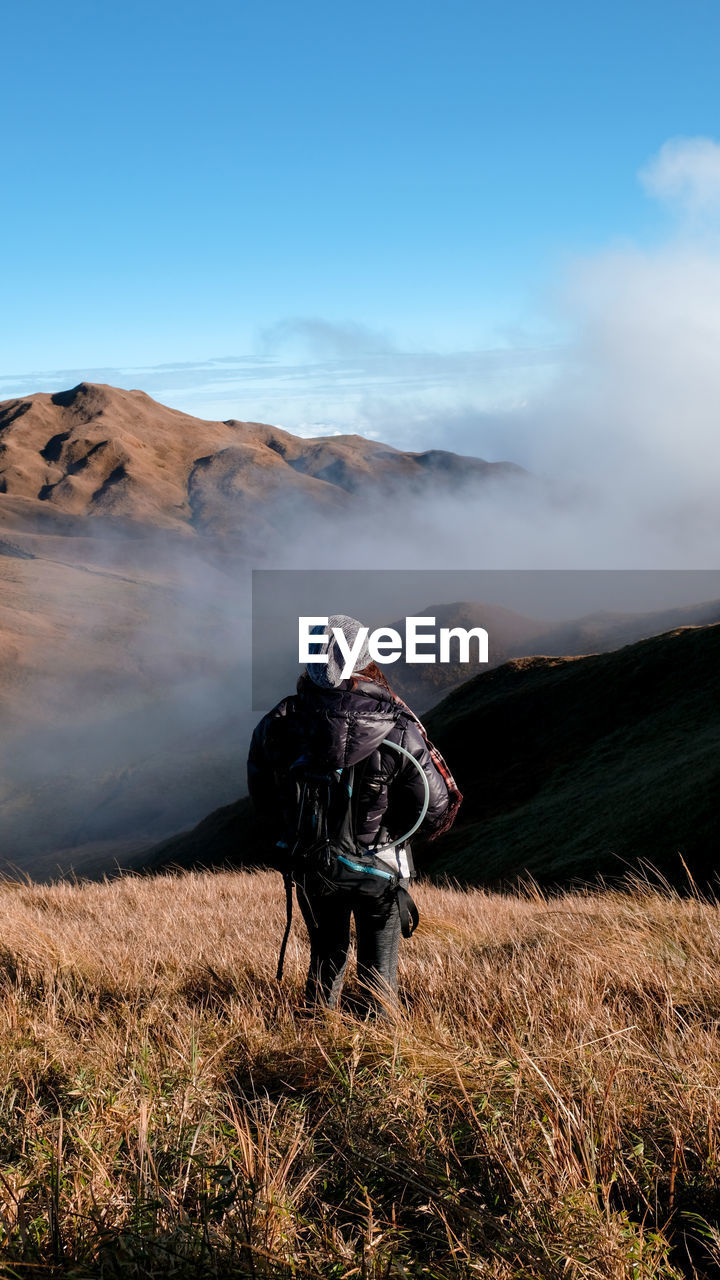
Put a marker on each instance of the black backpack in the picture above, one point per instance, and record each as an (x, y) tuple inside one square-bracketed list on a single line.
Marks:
[(325, 856)]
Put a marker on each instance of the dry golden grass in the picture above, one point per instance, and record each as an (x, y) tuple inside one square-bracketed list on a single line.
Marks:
[(546, 1104)]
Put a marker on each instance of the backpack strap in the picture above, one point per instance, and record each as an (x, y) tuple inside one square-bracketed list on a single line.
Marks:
[(287, 877)]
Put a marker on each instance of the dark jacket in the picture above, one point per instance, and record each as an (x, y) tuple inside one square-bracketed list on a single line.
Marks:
[(333, 728)]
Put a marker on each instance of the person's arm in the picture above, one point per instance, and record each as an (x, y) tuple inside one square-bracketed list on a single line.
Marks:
[(407, 794), (392, 792)]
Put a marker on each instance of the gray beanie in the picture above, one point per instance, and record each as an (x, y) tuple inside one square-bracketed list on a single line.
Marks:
[(328, 675)]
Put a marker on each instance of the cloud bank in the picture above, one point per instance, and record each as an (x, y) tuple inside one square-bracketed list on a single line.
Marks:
[(622, 430)]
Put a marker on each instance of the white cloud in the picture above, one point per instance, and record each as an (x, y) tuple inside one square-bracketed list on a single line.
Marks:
[(685, 173)]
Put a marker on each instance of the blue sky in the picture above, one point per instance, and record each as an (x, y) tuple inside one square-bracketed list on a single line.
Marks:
[(269, 209)]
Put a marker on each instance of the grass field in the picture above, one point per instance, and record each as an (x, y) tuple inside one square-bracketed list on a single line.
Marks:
[(546, 1104)]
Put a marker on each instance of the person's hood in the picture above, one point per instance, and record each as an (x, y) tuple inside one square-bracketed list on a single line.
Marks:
[(328, 673), (344, 724)]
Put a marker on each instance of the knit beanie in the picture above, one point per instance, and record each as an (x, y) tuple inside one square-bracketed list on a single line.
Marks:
[(328, 675)]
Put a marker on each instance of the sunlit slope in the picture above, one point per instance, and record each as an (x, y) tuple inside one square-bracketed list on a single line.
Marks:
[(573, 767), (101, 451)]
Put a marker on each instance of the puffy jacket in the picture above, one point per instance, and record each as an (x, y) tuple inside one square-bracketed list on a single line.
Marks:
[(333, 728)]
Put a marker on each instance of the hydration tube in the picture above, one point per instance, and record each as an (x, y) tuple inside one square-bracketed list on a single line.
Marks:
[(426, 802)]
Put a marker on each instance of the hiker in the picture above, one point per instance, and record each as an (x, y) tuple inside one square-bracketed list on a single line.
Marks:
[(355, 738)]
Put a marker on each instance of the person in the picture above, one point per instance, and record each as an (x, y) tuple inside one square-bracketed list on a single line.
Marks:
[(336, 723)]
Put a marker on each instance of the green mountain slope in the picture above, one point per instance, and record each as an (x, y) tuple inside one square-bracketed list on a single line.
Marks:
[(575, 767)]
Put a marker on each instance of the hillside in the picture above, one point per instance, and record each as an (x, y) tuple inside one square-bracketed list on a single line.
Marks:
[(542, 1105), (513, 636), (573, 768), (570, 768), (100, 451)]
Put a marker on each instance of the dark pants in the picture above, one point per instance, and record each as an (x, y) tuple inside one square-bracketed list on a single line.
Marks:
[(377, 934)]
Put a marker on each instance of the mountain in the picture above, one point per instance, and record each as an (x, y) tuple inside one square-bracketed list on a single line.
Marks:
[(570, 768), (599, 632), (512, 635), (99, 451)]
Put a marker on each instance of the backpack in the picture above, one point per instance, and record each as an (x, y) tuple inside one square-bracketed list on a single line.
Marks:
[(326, 857)]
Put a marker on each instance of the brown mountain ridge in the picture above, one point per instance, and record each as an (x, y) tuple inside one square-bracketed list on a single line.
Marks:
[(97, 450)]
